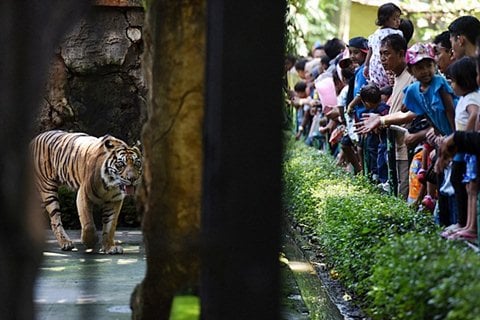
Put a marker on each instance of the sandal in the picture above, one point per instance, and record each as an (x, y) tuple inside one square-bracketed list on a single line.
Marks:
[(454, 227), (451, 229), (463, 235)]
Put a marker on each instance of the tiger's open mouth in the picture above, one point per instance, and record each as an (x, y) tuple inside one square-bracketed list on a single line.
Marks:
[(128, 190)]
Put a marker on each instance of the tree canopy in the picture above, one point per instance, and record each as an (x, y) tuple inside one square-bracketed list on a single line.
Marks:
[(308, 21)]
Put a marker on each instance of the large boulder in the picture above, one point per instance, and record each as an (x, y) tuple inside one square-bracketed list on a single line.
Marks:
[(95, 82)]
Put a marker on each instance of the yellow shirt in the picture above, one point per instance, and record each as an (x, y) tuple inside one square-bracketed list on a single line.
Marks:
[(413, 184)]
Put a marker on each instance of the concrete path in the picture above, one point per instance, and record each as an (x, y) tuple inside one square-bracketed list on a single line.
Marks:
[(80, 285)]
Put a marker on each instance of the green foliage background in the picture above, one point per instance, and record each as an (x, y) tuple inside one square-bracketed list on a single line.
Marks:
[(437, 15), (311, 20), (308, 21)]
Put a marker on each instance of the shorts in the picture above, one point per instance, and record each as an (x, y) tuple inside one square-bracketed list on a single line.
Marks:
[(346, 141), (471, 171)]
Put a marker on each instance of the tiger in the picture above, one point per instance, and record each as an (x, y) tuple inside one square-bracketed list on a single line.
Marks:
[(103, 171)]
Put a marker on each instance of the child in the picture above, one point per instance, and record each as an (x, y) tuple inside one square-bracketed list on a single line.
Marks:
[(432, 96), (302, 103), (300, 68), (388, 19), (463, 77), (426, 189), (315, 137), (358, 48), (407, 28), (417, 184), (376, 151)]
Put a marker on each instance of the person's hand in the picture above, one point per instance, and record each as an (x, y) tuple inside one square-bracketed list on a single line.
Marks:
[(365, 72), (433, 138), (298, 135), (412, 139), (428, 147), (430, 136), (368, 122), (323, 130), (296, 101), (350, 111), (446, 149), (333, 114), (422, 176)]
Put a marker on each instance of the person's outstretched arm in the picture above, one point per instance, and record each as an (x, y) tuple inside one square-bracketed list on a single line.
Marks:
[(371, 121)]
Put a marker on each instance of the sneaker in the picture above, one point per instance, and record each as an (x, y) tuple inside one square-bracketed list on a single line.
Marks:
[(385, 187)]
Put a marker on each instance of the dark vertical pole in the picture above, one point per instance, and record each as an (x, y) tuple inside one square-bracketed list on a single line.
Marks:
[(243, 150), (30, 30)]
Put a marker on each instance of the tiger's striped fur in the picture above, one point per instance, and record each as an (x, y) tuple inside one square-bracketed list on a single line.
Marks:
[(102, 169)]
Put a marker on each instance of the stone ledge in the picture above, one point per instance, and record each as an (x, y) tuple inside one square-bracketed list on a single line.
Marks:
[(118, 3)]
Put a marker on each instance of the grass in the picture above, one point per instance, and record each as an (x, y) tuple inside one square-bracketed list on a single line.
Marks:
[(185, 308)]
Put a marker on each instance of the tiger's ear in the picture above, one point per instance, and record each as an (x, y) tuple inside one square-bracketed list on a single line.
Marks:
[(110, 142), (138, 147)]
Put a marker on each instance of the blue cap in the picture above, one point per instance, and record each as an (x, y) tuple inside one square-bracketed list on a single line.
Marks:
[(317, 45), (359, 42)]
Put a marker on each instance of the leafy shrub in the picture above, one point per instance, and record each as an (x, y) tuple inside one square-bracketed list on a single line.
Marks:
[(390, 257), (346, 214), (425, 277), (353, 226)]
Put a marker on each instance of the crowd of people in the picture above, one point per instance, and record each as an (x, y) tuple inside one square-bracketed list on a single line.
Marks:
[(404, 114)]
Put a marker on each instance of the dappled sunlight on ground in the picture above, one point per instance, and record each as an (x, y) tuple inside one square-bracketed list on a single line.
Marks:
[(81, 285)]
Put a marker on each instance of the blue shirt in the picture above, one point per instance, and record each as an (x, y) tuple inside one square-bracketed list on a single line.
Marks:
[(360, 81), (430, 103), (382, 109)]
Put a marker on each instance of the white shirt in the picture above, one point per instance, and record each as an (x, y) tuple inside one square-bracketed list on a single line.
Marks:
[(461, 113), (395, 102)]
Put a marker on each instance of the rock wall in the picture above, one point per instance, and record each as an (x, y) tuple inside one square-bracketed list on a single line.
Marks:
[(95, 83)]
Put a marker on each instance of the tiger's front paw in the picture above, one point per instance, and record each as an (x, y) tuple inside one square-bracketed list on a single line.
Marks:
[(112, 250), (67, 246), (89, 237)]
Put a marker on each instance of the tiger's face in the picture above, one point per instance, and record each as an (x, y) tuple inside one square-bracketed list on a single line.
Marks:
[(123, 166)]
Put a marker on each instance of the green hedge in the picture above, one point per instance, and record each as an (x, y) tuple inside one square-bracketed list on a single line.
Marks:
[(390, 257)]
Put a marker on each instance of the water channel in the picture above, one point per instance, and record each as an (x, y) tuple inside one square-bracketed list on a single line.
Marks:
[(304, 296)]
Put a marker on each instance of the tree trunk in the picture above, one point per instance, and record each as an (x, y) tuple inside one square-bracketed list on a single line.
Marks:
[(30, 30), (172, 142)]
